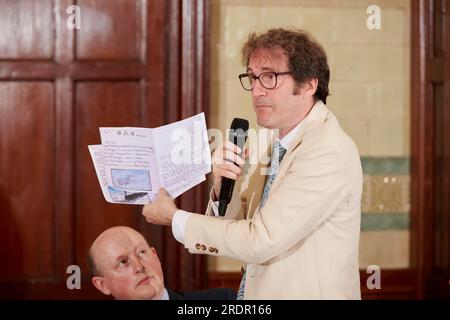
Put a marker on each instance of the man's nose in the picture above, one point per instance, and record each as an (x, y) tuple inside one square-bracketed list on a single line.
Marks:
[(138, 265), (258, 90)]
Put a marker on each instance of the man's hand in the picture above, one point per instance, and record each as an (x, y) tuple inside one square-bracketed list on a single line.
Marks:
[(224, 162), (161, 210)]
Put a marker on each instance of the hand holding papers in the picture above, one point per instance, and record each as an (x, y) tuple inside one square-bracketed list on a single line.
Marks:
[(133, 163)]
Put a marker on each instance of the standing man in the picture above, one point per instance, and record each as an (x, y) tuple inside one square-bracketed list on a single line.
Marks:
[(298, 228)]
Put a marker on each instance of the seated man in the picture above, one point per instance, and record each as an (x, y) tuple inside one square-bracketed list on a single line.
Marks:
[(125, 266)]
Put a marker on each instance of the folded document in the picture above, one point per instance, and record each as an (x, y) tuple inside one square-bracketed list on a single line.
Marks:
[(132, 164)]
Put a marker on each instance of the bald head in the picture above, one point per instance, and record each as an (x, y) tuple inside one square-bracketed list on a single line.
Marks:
[(124, 265), (108, 240)]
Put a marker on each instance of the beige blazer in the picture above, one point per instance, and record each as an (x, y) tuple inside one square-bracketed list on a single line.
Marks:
[(303, 243)]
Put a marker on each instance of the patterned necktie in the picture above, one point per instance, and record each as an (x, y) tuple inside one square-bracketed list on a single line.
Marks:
[(278, 153)]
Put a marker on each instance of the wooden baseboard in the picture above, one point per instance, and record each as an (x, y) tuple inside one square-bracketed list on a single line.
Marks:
[(395, 284)]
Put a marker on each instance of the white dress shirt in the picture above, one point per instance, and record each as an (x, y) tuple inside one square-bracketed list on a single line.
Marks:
[(165, 295), (180, 217)]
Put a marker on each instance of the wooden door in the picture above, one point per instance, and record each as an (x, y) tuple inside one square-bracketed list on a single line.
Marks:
[(57, 86), (430, 239)]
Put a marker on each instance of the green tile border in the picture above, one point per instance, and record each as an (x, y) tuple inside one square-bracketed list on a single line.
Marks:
[(384, 221), (385, 165)]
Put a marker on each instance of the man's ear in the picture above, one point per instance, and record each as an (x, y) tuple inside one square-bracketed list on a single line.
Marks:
[(309, 87), (155, 254), (100, 284)]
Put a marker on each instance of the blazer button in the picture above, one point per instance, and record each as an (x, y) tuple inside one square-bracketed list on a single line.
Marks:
[(203, 247), (198, 246)]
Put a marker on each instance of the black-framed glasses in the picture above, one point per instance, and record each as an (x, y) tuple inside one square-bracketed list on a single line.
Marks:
[(267, 79)]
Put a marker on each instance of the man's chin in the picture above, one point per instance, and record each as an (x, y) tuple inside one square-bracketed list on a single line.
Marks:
[(264, 122), (146, 294)]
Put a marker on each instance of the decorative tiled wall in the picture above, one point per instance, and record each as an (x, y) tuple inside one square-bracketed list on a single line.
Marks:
[(370, 90), (386, 194), (385, 211)]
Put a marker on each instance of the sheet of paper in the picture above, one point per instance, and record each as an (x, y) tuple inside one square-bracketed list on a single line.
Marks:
[(132, 163), (131, 149), (175, 191), (183, 151), (111, 193)]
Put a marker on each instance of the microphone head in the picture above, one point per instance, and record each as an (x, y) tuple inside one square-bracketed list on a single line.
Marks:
[(238, 132), (237, 135), (239, 123)]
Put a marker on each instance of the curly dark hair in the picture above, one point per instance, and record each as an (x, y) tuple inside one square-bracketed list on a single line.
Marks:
[(306, 57)]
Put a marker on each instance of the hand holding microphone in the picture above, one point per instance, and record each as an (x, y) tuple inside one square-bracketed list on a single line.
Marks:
[(228, 162)]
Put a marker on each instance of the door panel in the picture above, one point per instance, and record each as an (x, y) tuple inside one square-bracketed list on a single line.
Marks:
[(26, 183), (110, 30), (27, 29)]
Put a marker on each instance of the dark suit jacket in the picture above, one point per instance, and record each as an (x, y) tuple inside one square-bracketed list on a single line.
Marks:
[(210, 294)]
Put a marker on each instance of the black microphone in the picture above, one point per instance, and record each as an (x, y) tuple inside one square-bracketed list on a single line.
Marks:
[(238, 136)]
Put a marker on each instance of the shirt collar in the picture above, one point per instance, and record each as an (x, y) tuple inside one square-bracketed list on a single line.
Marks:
[(165, 295), (288, 139)]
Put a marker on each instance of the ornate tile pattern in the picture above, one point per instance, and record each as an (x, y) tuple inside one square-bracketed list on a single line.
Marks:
[(386, 194)]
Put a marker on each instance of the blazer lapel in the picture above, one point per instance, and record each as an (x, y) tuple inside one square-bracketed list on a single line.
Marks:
[(256, 184), (253, 194), (316, 116)]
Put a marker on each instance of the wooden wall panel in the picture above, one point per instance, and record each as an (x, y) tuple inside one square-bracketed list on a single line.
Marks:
[(395, 284), (438, 286), (26, 179), (100, 104), (27, 29), (109, 30), (124, 70), (430, 115)]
